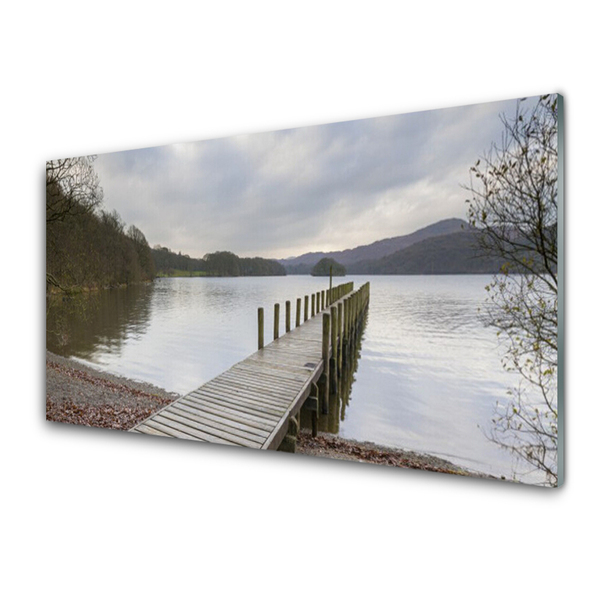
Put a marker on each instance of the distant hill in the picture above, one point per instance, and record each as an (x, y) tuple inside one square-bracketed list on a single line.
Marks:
[(454, 253), (305, 262)]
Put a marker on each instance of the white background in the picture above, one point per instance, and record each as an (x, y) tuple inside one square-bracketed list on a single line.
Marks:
[(96, 514)]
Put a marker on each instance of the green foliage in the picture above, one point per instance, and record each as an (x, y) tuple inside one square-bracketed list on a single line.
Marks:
[(175, 264), (514, 203), (227, 264), (327, 266)]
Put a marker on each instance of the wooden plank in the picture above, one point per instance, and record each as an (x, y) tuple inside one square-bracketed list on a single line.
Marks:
[(217, 413), (226, 409), (264, 381), (176, 424), (302, 334), (251, 363), (293, 360), (264, 371), (251, 408), (311, 372), (263, 384), (240, 405), (268, 375), (272, 399), (225, 420), (203, 421), (262, 391), (296, 336), (214, 429), (141, 428), (174, 432), (291, 349), (242, 392), (272, 392)]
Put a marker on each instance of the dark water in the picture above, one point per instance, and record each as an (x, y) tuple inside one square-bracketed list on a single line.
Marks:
[(428, 373)]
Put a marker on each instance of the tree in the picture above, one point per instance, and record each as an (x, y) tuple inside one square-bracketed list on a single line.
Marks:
[(72, 188), (142, 248), (222, 264), (327, 265), (514, 203)]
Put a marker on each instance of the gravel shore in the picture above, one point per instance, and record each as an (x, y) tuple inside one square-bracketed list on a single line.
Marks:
[(81, 395)]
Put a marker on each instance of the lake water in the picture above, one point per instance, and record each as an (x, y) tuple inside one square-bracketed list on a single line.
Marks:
[(428, 377)]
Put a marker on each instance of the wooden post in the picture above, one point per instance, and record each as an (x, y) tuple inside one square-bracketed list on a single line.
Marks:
[(288, 444), (318, 302), (314, 399), (352, 314), (312, 305), (305, 308), (339, 345), (261, 328), (324, 380), (287, 316), (330, 283), (323, 299), (327, 298), (333, 369), (276, 323), (346, 330), (334, 326), (347, 310), (298, 309)]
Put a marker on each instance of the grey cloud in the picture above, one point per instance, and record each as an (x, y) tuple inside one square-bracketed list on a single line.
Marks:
[(286, 192)]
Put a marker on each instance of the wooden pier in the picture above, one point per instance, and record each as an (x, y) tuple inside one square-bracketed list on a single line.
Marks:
[(256, 403)]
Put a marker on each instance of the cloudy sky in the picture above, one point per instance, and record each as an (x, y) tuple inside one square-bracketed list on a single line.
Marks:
[(283, 193)]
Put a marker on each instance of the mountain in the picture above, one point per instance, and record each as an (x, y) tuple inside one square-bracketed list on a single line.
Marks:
[(454, 253), (376, 250)]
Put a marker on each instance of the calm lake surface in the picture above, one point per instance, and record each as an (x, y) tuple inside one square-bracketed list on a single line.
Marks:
[(428, 377)]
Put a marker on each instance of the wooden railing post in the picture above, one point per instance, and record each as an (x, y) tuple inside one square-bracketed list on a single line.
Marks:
[(324, 380), (298, 308), (305, 308), (287, 316), (314, 399), (339, 344), (276, 323), (261, 328), (333, 360)]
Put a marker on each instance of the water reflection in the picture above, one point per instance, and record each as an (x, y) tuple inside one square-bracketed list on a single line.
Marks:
[(100, 321)]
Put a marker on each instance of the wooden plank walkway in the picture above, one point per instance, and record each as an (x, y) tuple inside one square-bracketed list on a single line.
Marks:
[(249, 404)]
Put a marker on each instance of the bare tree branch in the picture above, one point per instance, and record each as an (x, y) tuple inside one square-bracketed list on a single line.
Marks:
[(514, 203)]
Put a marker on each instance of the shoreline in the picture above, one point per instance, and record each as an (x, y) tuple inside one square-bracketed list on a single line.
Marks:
[(82, 395)]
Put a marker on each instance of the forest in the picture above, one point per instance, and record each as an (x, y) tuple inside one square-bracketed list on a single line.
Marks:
[(88, 247), (216, 264), (227, 264), (169, 263)]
